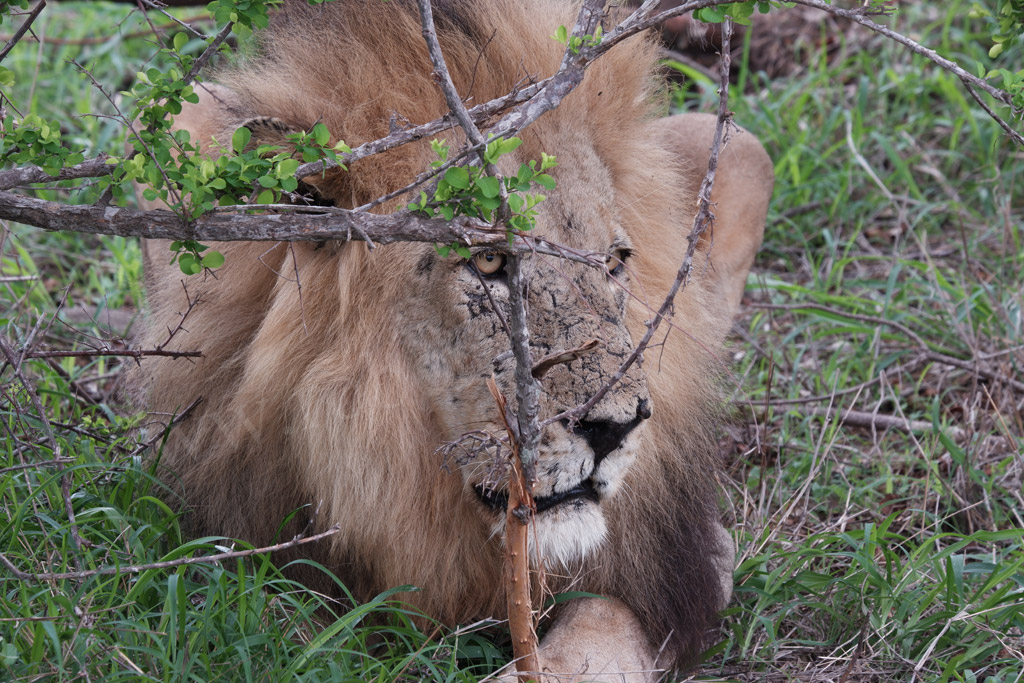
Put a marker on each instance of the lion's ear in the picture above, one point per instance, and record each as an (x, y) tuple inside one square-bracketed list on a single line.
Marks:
[(742, 189)]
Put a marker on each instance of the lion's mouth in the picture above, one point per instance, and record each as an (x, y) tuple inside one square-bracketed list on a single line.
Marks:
[(498, 500)]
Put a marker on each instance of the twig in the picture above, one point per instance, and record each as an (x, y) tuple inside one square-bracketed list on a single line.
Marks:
[(455, 103), (90, 168), (846, 314), (56, 462), (934, 356), (138, 568), (677, 56), (202, 59), (973, 366), (702, 221), (65, 478), (288, 223), (103, 40), (636, 23), (519, 510), (479, 114), (176, 419), (1017, 137), (101, 353), (860, 418), (23, 29)]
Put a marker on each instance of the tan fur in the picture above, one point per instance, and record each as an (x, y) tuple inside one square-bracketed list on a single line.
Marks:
[(330, 399)]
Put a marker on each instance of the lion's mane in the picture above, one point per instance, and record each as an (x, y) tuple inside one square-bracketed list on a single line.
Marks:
[(307, 399)]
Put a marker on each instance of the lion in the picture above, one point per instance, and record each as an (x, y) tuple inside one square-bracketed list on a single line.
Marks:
[(332, 373)]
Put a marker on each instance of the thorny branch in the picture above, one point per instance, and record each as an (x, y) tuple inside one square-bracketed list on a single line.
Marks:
[(23, 29), (104, 353), (522, 474), (702, 222)]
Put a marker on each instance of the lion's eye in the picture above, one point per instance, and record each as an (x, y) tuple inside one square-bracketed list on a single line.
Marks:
[(617, 262), (489, 262)]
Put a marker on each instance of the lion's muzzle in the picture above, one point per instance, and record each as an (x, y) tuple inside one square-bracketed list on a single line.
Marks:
[(605, 436)]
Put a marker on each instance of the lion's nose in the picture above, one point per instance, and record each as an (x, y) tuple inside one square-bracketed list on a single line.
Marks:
[(604, 436)]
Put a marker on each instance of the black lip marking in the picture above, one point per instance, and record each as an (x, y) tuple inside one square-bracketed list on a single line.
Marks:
[(498, 500)]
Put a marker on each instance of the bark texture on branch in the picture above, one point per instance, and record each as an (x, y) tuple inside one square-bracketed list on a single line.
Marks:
[(519, 513), (312, 224)]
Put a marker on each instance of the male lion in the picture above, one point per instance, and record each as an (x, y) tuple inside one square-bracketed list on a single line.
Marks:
[(331, 399)]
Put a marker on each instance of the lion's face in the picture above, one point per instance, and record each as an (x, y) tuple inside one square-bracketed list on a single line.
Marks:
[(460, 309)]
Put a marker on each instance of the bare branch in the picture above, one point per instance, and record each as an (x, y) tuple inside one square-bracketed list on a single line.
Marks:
[(90, 168), (288, 224), (23, 29), (102, 353), (873, 421), (210, 50), (103, 40), (444, 78), (138, 568), (56, 462), (1017, 137), (480, 114)]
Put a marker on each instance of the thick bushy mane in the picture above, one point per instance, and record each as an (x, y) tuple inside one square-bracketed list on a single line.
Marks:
[(309, 402)]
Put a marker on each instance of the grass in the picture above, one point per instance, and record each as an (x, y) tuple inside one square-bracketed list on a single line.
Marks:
[(894, 250), (889, 285)]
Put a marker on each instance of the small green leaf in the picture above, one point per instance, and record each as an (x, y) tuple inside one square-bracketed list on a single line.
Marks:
[(561, 34), (240, 139), (287, 168), (509, 145), (266, 197), (709, 15), (214, 259), (463, 251), (186, 262), (489, 203), (321, 134), (544, 180), (180, 40), (457, 177), (489, 186), (267, 181)]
